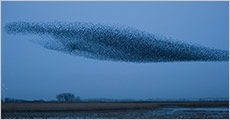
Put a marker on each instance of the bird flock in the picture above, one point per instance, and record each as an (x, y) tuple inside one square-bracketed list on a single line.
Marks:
[(113, 43)]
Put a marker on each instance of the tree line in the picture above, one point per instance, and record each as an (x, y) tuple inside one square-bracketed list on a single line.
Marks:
[(67, 97)]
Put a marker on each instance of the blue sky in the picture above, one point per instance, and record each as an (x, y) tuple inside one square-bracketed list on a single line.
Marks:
[(32, 72)]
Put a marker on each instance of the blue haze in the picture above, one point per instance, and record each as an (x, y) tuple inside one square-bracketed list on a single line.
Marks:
[(32, 72)]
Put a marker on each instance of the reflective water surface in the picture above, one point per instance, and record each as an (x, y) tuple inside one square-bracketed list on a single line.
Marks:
[(168, 112)]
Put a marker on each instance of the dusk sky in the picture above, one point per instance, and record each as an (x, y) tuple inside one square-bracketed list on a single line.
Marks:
[(30, 71)]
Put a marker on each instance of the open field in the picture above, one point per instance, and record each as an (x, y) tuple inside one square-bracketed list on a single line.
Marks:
[(116, 110)]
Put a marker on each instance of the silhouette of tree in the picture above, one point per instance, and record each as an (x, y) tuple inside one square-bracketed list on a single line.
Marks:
[(78, 98), (68, 97)]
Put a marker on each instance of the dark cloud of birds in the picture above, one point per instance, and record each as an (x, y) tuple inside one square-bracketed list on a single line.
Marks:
[(113, 43)]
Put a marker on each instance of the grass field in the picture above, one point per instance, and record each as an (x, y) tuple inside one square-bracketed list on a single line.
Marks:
[(56, 106), (112, 109)]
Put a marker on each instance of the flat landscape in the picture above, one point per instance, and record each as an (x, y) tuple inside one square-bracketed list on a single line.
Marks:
[(116, 110)]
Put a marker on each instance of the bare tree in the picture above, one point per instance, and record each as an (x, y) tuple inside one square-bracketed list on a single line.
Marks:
[(68, 97), (78, 99)]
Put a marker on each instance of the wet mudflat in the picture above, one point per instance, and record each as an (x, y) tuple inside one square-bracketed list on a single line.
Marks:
[(161, 110), (198, 113)]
